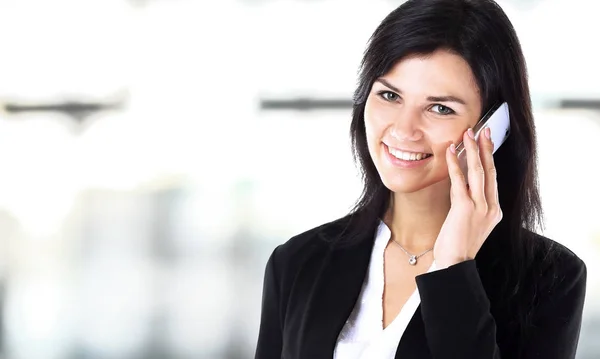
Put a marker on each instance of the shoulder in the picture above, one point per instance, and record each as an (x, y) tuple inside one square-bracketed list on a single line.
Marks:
[(532, 259), (556, 293), (533, 283), (311, 245), (296, 263), (316, 241), (526, 271), (557, 267)]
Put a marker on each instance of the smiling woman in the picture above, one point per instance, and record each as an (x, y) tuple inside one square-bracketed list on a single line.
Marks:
[(426, 266)]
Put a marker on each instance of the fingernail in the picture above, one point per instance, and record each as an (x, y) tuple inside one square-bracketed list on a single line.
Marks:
[(488, 133), (470, 133), (453, 148)]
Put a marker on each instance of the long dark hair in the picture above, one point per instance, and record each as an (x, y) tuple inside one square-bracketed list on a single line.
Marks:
[(480, 32)]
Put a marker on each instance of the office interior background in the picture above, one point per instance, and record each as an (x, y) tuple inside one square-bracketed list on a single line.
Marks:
[(154, 152)]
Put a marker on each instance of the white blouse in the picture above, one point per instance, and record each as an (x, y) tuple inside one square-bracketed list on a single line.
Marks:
[(363, 336)]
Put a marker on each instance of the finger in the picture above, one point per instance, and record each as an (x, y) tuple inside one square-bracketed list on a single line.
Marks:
[(476, 174), (487, 160), (458, 184)]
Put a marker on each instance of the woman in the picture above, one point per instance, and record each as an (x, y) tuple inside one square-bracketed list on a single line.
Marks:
[(427, 266)]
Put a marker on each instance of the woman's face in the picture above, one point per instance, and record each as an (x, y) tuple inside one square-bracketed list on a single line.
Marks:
[(412, 115)]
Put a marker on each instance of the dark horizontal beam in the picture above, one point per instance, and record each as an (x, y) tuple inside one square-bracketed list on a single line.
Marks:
[(583, 104), (58, 107), (79, 111), (305, 104)]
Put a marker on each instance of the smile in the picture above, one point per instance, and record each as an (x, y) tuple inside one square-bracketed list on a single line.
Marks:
[(408, 156), (406, 159)]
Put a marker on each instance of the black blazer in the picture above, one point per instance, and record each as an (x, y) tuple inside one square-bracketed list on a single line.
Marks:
[(312, 283)]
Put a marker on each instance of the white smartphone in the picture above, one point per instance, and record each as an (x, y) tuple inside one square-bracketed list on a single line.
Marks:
[(498, 120)]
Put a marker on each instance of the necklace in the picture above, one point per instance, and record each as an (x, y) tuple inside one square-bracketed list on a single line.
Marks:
[(412, 259)]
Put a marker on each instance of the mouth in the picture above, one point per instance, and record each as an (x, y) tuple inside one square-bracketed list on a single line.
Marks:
[(408, 156)]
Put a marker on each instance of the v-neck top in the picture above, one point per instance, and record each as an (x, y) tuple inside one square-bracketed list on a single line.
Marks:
[(363, 335)]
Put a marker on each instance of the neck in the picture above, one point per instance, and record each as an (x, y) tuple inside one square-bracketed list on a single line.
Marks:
[(415, 219)]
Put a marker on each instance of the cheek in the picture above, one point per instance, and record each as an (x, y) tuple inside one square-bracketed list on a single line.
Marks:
[(439, 150), (440, 146), (377, 120), (441, 137), (373, 125)]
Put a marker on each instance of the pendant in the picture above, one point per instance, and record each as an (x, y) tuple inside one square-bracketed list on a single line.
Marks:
[(412, 260)]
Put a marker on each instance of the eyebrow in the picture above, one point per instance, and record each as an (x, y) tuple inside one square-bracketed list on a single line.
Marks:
[(448, 98)]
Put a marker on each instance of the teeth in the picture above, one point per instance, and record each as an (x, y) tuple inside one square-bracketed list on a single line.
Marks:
[(407, 156)]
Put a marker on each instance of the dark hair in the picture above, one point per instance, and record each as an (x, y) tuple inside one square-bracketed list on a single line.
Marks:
[(480, 32)]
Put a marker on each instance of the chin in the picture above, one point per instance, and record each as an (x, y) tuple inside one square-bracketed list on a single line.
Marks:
[(405, 184)]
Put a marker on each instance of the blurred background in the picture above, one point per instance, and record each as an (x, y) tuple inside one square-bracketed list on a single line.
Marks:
[(153, 153)]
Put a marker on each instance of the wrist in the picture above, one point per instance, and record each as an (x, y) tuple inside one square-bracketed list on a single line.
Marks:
[(445, 262)]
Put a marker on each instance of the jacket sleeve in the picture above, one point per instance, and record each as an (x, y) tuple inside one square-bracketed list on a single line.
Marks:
[(458, 322), (269, 344), (456, 313)]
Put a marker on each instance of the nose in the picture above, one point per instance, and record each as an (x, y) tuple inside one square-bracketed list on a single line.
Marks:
[(407, 125)]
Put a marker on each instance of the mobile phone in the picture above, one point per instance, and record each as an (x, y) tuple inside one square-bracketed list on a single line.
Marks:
[(498, 120)]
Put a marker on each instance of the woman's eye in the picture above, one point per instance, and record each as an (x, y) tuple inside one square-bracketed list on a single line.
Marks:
[(388, 96), (442, 110)]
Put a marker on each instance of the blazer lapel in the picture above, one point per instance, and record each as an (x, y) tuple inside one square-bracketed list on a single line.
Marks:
[(335, 293)]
